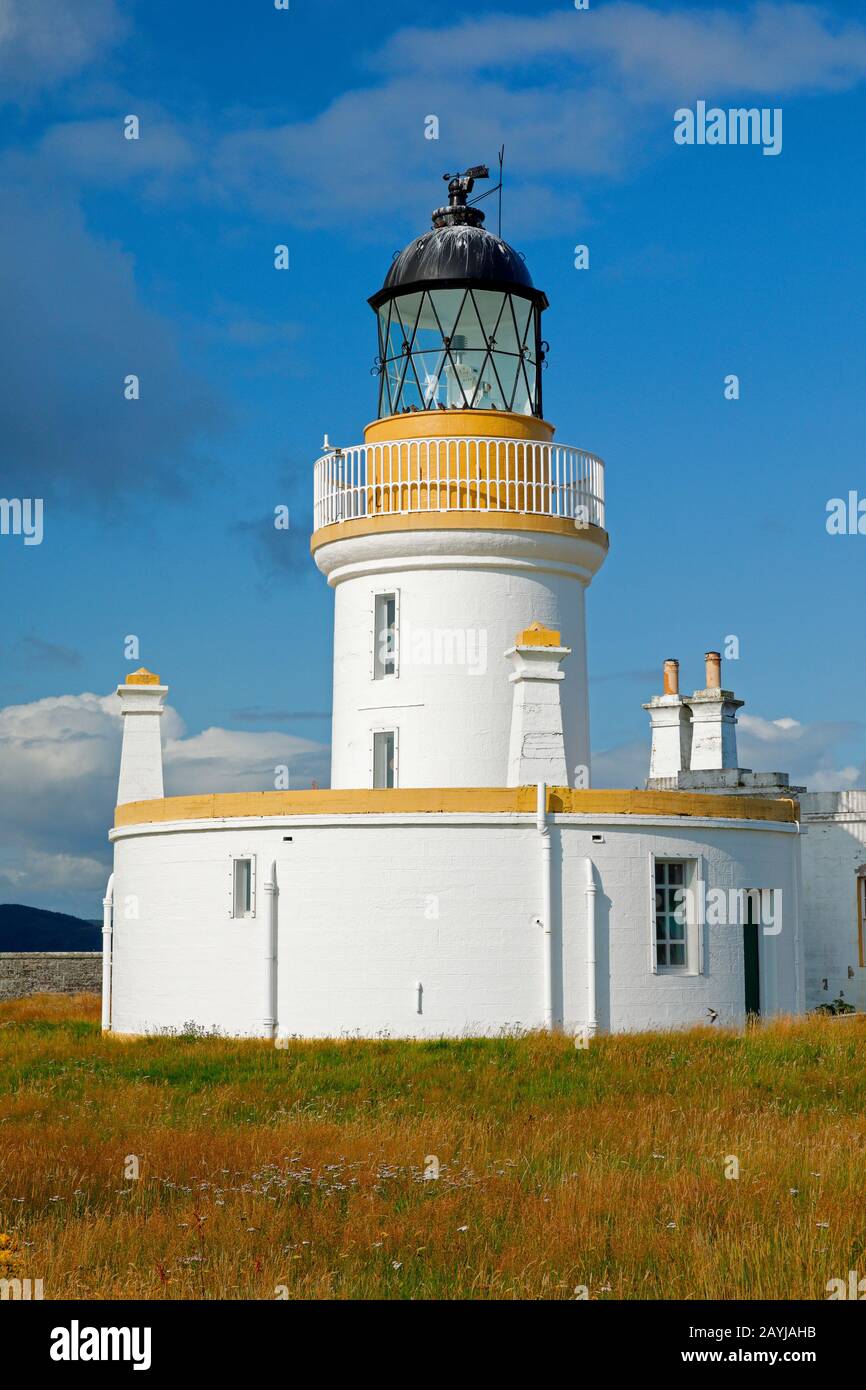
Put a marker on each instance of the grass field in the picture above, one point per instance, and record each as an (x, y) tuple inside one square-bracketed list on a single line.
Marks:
[(303, 1169)]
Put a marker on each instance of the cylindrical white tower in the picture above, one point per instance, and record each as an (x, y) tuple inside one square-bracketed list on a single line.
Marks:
[(456, 525)]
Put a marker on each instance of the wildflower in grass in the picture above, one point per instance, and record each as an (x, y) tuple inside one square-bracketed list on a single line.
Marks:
[(8, 1254)]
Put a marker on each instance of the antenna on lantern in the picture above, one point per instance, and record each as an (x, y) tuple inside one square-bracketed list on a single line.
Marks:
[(461, 185), (499, 186)]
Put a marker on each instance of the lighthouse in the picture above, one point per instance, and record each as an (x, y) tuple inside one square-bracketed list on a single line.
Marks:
[(460, 876), (456, 525)]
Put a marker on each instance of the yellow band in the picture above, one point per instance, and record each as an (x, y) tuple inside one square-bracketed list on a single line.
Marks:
[(456, 800)]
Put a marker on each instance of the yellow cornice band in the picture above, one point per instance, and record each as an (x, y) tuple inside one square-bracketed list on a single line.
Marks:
[(440, 424), (454, 800), (457, 521)]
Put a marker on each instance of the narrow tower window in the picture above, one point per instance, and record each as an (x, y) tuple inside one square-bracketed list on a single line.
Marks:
[(243, 889), (385, 758), (384, 636)]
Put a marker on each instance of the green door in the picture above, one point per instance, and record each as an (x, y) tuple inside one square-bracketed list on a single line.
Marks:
[(751, 959)]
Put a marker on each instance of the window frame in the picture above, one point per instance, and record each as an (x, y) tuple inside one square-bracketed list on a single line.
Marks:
[(377, 732), (379, 598), (692, 940), (234, 861)]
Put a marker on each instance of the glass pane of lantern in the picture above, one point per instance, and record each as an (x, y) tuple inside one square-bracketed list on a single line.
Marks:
[(492, 309), (523, 400), (463, 373), (404, 318), (412, 393), (428, 335), (468, 327), (431, 376), (441, 311), (522, 311), (508, 366)]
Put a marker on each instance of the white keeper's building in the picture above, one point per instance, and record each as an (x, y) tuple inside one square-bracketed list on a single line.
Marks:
[(462, 875)]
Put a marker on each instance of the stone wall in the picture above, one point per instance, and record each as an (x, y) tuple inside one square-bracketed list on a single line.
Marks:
[(49, 972)]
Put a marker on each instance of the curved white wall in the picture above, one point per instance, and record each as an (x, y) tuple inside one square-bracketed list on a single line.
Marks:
[(371, 906), (463, 597), (834, 849)]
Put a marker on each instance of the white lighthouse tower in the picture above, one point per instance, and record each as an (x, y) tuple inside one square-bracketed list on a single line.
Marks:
[(456, 525)]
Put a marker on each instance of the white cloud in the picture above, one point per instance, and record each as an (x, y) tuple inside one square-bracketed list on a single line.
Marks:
[(59, 760), (574, 96), (228, 760), (809, 753), (98, 150), (624, 765), (570, 94), (44, 41), (771, 48)]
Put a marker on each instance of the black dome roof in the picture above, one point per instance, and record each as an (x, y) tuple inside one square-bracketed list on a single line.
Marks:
[(458, 251)]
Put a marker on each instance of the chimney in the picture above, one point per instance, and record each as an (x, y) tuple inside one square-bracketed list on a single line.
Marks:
[(141, 704), (714, 722), (671, 726), (536, 751)]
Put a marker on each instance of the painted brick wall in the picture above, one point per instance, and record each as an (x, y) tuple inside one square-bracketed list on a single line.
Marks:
[(370, 908), (49, 972)]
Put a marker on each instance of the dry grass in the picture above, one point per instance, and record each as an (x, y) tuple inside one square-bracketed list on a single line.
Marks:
[(304, 1167)]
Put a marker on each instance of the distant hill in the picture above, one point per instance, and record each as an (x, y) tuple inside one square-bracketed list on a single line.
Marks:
[(34, 929)]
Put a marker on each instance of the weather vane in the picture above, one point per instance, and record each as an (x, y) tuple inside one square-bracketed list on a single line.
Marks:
[(461, 185)]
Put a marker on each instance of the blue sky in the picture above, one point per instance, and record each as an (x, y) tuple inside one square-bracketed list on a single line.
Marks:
[(306, 127)]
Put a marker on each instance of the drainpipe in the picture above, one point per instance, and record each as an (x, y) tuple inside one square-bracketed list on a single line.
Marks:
[(591, 1015), (107, 944), (798, 869), (271, 925), (544, 833)]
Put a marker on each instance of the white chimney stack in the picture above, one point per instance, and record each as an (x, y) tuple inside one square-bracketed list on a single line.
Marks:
[(714, 722), (536, 751), (142, 699), (671, 727)]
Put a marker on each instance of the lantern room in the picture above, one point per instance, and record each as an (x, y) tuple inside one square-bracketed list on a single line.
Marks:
[(459, 318)]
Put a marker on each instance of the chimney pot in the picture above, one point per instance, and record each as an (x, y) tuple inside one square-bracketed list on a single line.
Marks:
[(672, 677), (714, 670)]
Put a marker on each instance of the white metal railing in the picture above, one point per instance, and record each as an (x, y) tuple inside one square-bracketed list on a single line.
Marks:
[(475, 474)]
